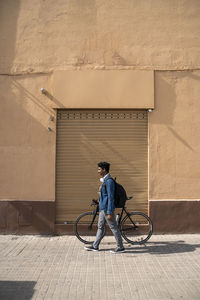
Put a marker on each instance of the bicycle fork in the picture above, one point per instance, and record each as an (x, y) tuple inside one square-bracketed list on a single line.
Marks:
[(134, 225)]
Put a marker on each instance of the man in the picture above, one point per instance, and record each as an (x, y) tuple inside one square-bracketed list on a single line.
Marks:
[(106, 210)]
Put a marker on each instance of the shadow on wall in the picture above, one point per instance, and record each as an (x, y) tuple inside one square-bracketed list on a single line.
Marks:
[(45, 105), (9, 11), (165, 101), (27, 96), (17, 289), (21, 128)]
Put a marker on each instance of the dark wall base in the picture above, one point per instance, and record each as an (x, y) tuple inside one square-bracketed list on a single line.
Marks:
[(38, 217), (27, 217), (175, 216)]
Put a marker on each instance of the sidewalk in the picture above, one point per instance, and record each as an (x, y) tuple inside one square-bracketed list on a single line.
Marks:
[(34, 267)]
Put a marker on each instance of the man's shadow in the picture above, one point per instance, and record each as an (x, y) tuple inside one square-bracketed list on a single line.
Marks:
[(158, 248)]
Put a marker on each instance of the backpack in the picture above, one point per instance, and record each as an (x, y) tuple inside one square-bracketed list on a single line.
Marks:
[(120, 194)]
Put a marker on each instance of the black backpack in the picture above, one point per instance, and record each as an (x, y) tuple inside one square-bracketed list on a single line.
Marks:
[(120, 194)]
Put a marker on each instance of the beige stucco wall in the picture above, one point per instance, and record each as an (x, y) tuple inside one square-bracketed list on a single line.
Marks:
[(39, 37), (27, 151), (174, 136), (28, 148)]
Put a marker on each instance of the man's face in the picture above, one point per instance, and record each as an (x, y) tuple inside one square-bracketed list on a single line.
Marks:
[(101, 172)]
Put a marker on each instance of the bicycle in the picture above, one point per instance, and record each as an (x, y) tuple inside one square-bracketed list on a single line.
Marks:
[(135, 227)]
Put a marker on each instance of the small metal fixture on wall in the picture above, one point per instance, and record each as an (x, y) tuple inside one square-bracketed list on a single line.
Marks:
[(43, 90), (51, 118)]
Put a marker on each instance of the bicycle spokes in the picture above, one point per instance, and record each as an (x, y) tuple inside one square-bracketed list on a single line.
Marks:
[(92, 222), (136, 228), (85, 227), (130, 228)]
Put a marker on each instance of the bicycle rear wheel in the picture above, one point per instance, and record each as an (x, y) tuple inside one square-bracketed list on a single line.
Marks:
[(84, 229), (136, 228)]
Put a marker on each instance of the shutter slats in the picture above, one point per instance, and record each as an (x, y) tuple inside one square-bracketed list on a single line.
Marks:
[(86, 137)]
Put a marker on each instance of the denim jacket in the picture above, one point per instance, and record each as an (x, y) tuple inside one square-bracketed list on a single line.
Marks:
[(107, 192)]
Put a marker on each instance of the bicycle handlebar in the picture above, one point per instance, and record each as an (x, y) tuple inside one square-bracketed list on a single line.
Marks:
[(94, 202)]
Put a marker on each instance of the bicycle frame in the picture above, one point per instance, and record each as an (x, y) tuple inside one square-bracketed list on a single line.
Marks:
[(127, 213), (127, 222), (95, 211)]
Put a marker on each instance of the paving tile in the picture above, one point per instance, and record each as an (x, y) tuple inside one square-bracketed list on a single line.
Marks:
[(57, 267)]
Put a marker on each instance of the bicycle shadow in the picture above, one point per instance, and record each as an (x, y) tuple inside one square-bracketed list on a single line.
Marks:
[(159, 248)]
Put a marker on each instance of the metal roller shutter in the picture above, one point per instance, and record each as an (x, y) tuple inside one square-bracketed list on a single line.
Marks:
[(85, 137)]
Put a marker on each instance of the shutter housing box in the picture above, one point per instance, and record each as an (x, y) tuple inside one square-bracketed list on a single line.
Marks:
[(103, 89)]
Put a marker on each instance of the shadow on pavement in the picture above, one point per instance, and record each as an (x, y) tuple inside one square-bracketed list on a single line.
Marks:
[(14, 290), (162, 247)]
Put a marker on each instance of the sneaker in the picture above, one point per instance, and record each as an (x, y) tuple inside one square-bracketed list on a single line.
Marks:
[(91, 248), (118, 250)]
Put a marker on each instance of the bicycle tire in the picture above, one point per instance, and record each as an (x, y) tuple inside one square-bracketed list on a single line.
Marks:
[(140, 233), (82, 230)]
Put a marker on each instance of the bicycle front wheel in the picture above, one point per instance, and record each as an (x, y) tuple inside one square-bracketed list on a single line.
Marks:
[(85, 228), (136, 228)]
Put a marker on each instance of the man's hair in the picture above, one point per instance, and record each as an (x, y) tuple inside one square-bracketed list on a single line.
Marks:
[(104, 165)]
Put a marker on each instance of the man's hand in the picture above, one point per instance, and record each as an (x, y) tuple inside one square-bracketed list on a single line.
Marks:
[(109, 217)]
